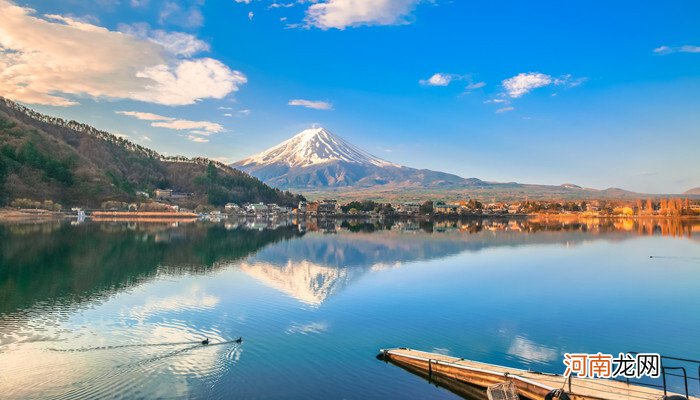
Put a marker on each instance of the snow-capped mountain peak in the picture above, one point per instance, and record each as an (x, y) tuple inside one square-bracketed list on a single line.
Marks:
[(315, 159), (315, 146)]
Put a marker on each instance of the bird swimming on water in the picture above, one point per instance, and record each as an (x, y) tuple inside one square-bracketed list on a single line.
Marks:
[(205, 341)]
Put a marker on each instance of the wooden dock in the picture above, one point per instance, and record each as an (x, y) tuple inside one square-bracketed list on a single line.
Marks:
[(470, 379)]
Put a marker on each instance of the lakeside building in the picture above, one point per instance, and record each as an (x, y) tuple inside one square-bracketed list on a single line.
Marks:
[(514, 208), (232, 208), (327, 207), (408, 208), (256, 209), (312, 208), (161, 194), (441, 207)]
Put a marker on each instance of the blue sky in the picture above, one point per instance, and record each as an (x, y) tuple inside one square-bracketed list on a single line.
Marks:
[(601, 94)]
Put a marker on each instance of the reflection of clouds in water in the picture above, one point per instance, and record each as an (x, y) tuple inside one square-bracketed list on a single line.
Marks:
[(384, 266), (130, 360), (234, 353), (441, 350), (195, 298), (531, 351), (305, 329)]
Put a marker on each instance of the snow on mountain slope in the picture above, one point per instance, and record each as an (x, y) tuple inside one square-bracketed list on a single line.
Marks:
[(317, 159), (312, 147)]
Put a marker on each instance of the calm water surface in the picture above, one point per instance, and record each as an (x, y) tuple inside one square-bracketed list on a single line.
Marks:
[(115, 310)]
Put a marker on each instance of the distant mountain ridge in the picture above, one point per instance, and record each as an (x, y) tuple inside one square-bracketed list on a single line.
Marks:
[(319, 163), (44, 157)]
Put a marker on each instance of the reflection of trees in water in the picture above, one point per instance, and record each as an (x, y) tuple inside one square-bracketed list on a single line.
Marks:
[(53, 263), (674, 227)]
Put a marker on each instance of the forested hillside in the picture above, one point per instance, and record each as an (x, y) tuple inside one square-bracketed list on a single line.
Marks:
[(47, 158)]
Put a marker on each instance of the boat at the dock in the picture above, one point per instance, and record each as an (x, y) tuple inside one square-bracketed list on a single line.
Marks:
[(471, 379)]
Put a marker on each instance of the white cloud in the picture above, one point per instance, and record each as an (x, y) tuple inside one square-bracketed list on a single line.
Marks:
[(197, 139), (183, 124), (445, 79), (689, 49), (172, 12), (525, 82), (160, 121), (504, 109), (189, 81), (43, 60), (341, 14), (682, 49), (495, 101), (282, 5), (145, 116), (438, 79), (200, 132), (243, 1), (317, 105), (177, 43), (662, 50), (250, 15)]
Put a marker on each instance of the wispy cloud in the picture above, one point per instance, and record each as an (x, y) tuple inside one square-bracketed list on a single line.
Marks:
[(239, 113), (178, 43), (438, 79), (160, 121), (445, 79), (475, 85), (504, 109), (315, 104), (525, 82), (177, 13), (46, 59), (340, 14), (197, 139), (144, 116), (663, 50)]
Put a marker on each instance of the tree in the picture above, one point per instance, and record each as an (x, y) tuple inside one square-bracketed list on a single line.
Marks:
[(426, 207)]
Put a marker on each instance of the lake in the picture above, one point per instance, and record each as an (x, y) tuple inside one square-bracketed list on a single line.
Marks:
[(117, 310)]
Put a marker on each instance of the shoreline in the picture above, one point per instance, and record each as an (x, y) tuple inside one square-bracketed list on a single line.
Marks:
[(8, 215)]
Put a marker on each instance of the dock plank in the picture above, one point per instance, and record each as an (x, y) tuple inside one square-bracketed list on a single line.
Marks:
[(531, 384)]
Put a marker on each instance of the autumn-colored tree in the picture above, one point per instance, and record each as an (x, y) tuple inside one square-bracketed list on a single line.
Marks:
[(650, 207)]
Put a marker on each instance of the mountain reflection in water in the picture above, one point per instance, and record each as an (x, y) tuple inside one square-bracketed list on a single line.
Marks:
[(320, 296)]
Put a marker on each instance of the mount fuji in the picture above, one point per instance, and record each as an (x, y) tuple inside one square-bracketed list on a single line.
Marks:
[(317, 159)]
